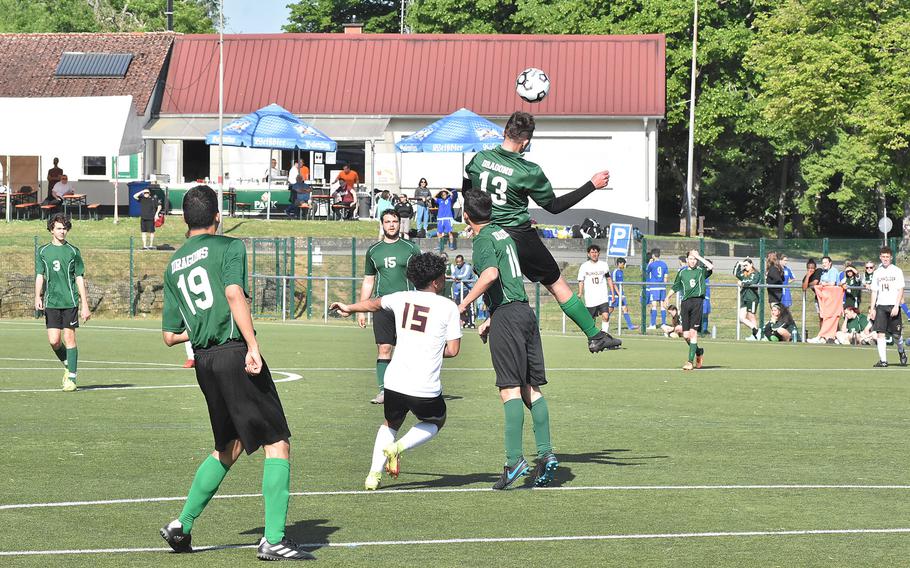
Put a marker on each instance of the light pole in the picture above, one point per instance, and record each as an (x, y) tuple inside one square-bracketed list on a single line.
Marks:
[(689, 176)]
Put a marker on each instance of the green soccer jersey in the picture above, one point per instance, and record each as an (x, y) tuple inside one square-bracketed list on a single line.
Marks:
[(750, 284), (690, 282), (858, 323), (494, 247), (852, 293), (194, 284), (388, 262), (60, 265), (510, 180)]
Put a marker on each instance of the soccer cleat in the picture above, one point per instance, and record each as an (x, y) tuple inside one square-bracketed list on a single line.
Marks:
[(510, 474), (392, 453), (189, 364), (546, 470), (374, 480), (379, 398), (603, 341), (69, 385), (880, 364), (651, 327), (688, 366), (176, 538), (903, 358), (287, 549)]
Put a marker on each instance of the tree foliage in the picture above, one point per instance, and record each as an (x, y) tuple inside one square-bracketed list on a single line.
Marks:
[(62, 16), (309, 16)]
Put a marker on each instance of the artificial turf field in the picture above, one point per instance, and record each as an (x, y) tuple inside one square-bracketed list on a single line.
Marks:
[(773, 455)]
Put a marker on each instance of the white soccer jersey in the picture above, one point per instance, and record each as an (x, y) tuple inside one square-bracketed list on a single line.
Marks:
[(594, 275), (424, 322), (889, 284)]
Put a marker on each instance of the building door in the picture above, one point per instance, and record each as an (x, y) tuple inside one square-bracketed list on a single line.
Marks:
[(196, 160)]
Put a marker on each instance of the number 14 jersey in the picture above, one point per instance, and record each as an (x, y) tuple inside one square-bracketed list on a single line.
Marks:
[(424, 322), (194, 284)]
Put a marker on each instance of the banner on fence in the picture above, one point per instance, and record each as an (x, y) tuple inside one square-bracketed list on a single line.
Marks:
[(620, 238)]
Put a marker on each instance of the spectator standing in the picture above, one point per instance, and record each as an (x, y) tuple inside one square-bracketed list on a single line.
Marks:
[(786, 297), (852, 284), (749, 279), (405, 211), (53, 176), (422, 198), (348, 176), (149, 209), (813, 273), (830, 276), (774, 276), (298, 168), (274, 172), (383, 202), (445, 217)]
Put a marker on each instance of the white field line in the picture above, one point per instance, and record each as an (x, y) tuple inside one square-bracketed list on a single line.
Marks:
[(289, 377), (95, 361), (392, 492), (607, 369), (482, 540)]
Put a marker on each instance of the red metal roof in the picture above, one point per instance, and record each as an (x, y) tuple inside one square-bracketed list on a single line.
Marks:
[(416, 75)]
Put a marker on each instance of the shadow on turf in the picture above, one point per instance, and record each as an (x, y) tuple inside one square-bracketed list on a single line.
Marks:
[(452, 397), (235, 227), (304, 532), (111, 386), (606, 457)]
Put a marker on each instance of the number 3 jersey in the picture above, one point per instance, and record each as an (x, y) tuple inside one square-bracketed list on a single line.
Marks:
[(424, 322), (60, 265), (889, 283), (194, 284)]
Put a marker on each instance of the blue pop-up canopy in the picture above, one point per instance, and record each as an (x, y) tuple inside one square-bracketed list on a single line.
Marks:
[(461, 131), (272, 127)]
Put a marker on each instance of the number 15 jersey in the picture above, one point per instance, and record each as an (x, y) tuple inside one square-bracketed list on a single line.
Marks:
[(424, 322), (194, 284)]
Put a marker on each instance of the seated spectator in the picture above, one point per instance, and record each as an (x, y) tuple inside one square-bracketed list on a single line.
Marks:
[(781, 326), (383, 202), (463, 279), (856, 329), (61, 188), (673, 328), (344, 196), (300, 193), (405, 212)]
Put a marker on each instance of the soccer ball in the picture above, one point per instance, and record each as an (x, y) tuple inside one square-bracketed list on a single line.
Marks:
[(532, 85)]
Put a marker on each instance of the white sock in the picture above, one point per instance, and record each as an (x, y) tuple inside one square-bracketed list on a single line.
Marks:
[(604, 326), (72, 376), (384, 437), (882, 351), (420, 433), (189, 350)]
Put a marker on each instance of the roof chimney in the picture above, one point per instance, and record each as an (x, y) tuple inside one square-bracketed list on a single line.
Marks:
[(353, 28)]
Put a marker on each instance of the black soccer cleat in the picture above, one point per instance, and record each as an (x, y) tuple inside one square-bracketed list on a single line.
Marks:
[(546, 470), (177, 539), (510, 474), (903, 358), (601, 341), (880, 364), (287, 549)]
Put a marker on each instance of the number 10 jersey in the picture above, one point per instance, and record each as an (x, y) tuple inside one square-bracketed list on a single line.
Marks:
[(194, 284)]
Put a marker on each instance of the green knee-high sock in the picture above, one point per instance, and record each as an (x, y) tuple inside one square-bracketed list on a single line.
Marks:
[(693, 348), (60, 352), (381, 366), (515, 422), (72, 359), (205, 484), (541, 415), (577, 312), (276, 490)]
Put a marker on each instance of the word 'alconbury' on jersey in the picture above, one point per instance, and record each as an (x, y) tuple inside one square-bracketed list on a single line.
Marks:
[(194, 289)]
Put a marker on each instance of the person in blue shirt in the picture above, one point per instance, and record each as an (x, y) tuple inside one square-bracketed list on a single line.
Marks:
[(618, 296), (786, 299), (463, 279), (656, 275), (445, 216), (706, 306)]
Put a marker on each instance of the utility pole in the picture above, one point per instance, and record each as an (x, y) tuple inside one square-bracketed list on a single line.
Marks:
[(689, 173)]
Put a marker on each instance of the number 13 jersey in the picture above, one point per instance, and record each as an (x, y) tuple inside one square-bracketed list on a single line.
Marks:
[(194, 284), (510, 180), (424, 322)]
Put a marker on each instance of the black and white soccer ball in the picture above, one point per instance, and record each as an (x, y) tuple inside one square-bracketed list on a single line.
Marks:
[(532, 85)]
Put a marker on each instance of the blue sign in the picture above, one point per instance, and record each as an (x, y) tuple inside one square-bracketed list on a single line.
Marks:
[(620, 237)]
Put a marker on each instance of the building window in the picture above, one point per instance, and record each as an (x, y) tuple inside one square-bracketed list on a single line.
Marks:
[(94, 165)]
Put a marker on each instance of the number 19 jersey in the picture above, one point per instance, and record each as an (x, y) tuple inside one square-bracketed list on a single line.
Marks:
[(194, 283)]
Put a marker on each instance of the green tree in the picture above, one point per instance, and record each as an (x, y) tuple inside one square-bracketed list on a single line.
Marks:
[(64, 16), (378, 16), (47, 16)]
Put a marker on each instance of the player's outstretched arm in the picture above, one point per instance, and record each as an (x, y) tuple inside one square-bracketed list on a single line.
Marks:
[(487, 277), (241, 312), (369, 305)]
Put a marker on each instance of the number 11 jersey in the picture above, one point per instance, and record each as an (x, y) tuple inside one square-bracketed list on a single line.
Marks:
[(194, 284)]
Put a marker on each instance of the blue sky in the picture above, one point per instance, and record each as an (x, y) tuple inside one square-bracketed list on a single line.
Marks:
[(255, 16)]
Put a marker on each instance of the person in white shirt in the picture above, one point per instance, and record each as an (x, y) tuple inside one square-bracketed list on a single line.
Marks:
[(596, 286), (61, 188), (429, 328), (885, 307)]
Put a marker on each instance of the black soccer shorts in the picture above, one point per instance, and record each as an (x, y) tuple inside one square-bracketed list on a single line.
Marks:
[(534, 258), (397, 405), (384, 327), (241, 407), (604, 308), (691, 311), (61, 318), (884, 323), (146, 225), (515, 347)]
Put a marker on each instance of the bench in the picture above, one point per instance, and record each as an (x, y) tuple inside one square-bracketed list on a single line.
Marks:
[(241, 207), (303, 211), (93, 213), (46, 209), (27, 208)]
